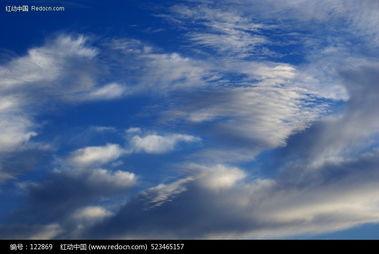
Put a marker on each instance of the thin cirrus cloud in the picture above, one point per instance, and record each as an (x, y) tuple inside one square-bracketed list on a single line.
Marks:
[(225, 31), (148, 69), (107, 92), (358, 16), (157, 144)]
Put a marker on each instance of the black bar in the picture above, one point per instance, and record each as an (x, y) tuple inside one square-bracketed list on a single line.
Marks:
[(176, 246)]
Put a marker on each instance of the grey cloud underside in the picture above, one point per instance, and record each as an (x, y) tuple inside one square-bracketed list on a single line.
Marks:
[(11, 166), (258, 209), (51, 204), (63, 192), (346, 135), (29, 231)]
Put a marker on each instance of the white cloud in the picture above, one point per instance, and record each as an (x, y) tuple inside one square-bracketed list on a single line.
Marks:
[(31, 231), (263, 115), (48, 63), (15, 131), (349, 133), (225, 31), (48, 72), (267, 103), (46, 232), (215, 155), (118, 179), (92, 213), (95, 155), (151, 70), (107, 92), (173, 71), (9, 104), (132, 130), (240, 43), (360, 16), (5, 176), (163, 193), (159, 144), (279, 72), (63, 70), (16, 128), (102, 129), (84, 217), (217, 177)]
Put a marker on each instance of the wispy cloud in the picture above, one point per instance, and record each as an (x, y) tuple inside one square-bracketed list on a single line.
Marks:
[(107, 92), (253, 118), (147, 68), (225, 31), (156, 144)]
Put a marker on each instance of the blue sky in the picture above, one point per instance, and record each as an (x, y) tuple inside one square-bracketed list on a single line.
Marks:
[(190, 119)]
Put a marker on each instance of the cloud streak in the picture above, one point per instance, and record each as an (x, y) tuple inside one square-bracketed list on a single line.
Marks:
[(156, 144), (227, 32)]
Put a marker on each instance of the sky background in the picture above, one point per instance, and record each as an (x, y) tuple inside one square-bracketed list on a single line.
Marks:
[(194, 119)]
